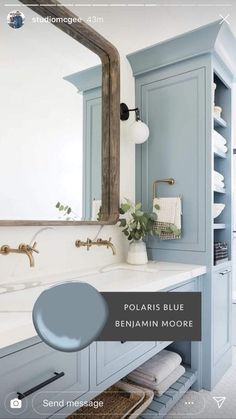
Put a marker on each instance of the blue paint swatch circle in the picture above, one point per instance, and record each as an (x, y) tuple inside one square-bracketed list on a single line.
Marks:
[(70, 316)]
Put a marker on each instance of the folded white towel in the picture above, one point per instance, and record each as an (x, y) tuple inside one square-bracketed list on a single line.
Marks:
[(171, 379), (221, 148), (161, 387), (157, 368), (217, 137), (218, 176), (220, 184), (170, 210)]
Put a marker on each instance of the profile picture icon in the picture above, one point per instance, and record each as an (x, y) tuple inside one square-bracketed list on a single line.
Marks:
[(15, 19)]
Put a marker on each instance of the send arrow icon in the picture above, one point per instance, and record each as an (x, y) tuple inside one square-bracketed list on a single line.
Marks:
[(219, 401)]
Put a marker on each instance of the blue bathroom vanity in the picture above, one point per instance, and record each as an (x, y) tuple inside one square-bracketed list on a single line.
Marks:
[(174, 90), (53, 382)]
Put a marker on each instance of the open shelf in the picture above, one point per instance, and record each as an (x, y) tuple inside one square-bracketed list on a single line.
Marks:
[(222, 162), (219, 122), (160, 406), (218, 189), (218, 226)]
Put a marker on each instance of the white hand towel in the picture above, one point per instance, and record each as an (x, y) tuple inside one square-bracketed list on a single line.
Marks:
[(170, 210), (218, 176), (158, 367)]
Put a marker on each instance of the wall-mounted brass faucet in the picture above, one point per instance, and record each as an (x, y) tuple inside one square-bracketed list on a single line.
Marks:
[(22, 248), (99, 242)]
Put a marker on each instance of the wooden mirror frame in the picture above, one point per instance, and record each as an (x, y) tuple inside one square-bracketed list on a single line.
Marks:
[(109, 56)]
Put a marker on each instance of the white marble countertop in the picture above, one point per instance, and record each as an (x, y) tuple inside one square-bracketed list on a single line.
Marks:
[(17, 299)]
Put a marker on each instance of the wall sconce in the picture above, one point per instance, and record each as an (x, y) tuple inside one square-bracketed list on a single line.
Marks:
[(139, 131)]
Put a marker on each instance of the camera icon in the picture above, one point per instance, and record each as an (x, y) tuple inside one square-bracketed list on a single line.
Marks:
[(15, 404)]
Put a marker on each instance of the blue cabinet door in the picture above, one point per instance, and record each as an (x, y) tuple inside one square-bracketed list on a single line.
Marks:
[(113, 356), (174, 109)]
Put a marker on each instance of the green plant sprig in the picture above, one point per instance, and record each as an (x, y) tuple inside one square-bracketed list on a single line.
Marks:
[(136, 223), (66, 211), (69, 214)]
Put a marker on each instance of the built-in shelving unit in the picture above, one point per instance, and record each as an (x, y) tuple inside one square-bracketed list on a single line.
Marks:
[(222, 162), (181, 145)]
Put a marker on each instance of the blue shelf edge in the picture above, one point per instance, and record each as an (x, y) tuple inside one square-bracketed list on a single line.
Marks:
[(219, 122), (160, 406), (221, 154), (219, 226), (218, 189)]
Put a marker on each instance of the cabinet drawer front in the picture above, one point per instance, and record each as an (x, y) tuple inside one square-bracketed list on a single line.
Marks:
[(26, 369), (113, 356), (221, 312)]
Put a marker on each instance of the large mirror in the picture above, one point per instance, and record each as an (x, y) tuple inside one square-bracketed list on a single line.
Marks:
[(57, 107)]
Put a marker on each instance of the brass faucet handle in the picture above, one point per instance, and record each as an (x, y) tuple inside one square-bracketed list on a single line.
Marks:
[(108, 242), (5, 249), (80, 243), (89, 243), (23, 247), (33, 248), (27, 248)]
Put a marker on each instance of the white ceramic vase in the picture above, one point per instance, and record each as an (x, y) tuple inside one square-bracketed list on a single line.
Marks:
[(137, 253)]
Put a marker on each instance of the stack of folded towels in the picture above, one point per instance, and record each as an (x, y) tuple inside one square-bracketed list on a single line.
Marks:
[(159, 372), (218, 179), (219, 142)]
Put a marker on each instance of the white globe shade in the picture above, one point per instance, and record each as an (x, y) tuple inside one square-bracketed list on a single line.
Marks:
[(139, 132)]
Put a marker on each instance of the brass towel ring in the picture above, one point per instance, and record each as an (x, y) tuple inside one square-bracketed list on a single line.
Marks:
[(170, 181)]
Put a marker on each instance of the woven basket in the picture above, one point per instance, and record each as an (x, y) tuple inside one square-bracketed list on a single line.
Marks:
[(143, 405), (119, 401)]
